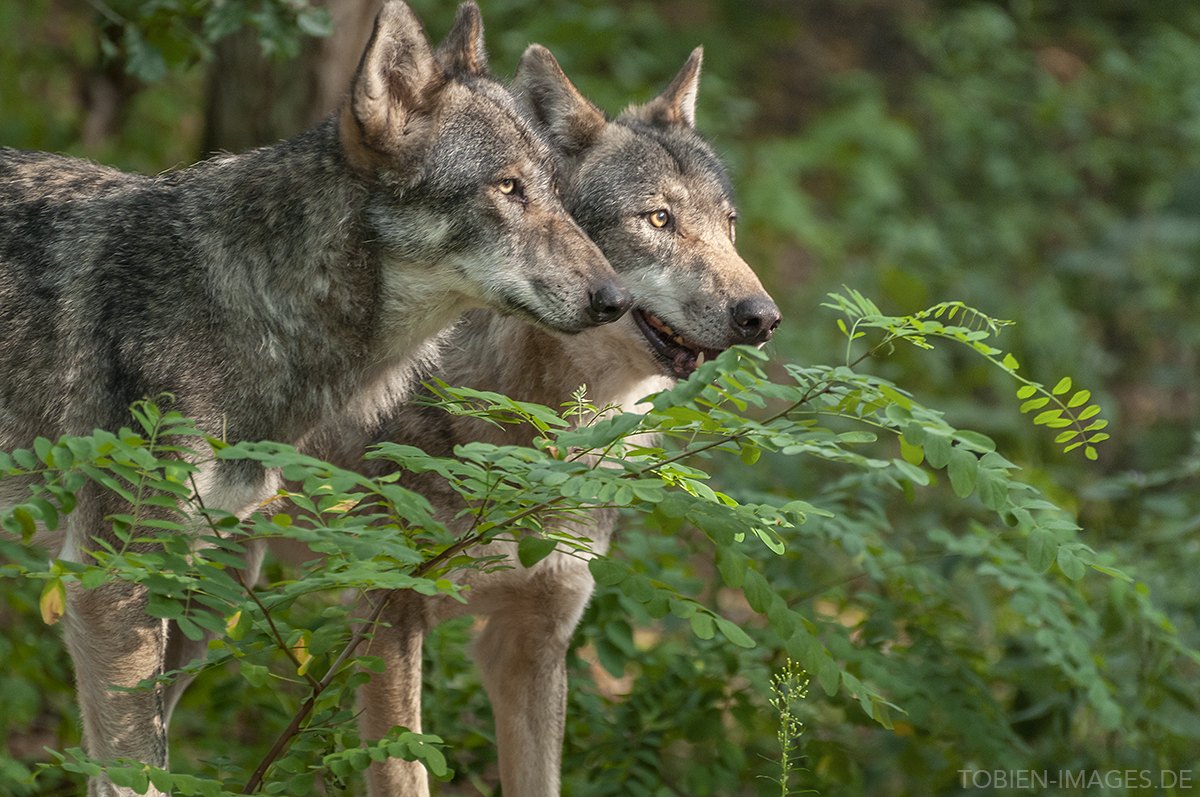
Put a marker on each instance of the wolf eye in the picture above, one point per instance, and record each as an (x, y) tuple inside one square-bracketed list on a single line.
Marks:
[(511, 187), (659, 218)]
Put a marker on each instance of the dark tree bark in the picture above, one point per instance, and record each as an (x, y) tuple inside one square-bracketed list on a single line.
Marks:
[(254, 100)]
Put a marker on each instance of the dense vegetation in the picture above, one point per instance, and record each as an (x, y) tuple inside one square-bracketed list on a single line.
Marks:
[(1037, 161)]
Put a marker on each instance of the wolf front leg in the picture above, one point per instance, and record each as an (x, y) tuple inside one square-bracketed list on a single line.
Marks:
[(115, 643), (393, 697), (522, 654)]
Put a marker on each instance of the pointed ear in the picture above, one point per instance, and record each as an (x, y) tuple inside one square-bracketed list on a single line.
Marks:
[(568, 118), (462, 50), (397, 77), (677, 103)]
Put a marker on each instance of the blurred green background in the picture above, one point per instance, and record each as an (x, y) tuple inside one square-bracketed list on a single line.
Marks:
[(1038, 160)]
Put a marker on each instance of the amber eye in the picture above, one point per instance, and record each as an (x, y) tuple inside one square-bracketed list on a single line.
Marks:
[(508, 185), (660, 218)]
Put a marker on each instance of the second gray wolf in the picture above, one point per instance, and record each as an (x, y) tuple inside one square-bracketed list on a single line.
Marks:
[(651, 192), (269, 292)]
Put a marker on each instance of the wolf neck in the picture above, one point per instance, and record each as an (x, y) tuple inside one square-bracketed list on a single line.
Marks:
[(509, 356), (334, 323)]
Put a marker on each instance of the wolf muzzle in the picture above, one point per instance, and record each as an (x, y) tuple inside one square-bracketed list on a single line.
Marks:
[(608, 303)]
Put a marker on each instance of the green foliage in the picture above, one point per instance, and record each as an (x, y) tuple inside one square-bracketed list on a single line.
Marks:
[(153, 37), (1040, 162), (374, 534)]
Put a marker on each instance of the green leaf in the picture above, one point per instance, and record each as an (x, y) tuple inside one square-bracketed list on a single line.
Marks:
[(937, 450), (638, 587), (26, 459), (757, 591), (302, 783), (1070, 564), (224, 19), (703, 625), (1063, 386), (731, 631), (750, 453), (1011, 363), (914, 455), (782, 620), (732, 565), (1080, 398), (608, 572), (829, 675), (1041, 549), (896, 397), (144, 60), (962, 469), (26, 521), (1047, 416), (255, 674), (1035, 404), (914, 434), (531, 549), (238, 625), (976, 441), (992, 487), (431, 756), (911, 472)]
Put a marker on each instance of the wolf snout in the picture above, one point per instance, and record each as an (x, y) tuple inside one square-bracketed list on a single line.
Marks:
[(608, 303), (755, 319)]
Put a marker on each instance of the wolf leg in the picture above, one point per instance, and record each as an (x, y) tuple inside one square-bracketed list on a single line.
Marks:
[(113, 642), (393, 697), (522, 655)]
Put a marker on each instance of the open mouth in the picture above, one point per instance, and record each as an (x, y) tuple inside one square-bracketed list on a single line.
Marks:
[(680, 356)]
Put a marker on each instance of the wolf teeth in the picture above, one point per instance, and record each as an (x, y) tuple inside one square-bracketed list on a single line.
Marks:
[(659, 324), (667, 333)]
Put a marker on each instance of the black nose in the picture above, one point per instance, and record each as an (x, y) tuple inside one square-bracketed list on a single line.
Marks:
[(755, 319), (608, 303)]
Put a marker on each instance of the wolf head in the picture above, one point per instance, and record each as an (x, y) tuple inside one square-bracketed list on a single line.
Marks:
[(657, 200), (462, 185)]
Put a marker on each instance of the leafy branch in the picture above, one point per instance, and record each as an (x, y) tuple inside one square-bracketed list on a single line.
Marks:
[(377, 536), (976, 329)]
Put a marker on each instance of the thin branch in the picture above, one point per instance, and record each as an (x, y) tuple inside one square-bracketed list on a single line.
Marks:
[(280, 642)]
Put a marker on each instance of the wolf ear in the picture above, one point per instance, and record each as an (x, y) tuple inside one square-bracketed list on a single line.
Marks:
[(397, 77), (677, 103), (462, 50), (570, 120)]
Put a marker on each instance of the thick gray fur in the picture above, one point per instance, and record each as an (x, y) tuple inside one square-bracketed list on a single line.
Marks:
[(686, 274), (271, 293)]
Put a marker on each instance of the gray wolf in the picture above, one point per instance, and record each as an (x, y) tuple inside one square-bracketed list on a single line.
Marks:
[(269, 292), (656, 199)]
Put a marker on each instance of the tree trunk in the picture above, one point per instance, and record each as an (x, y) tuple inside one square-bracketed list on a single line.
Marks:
[(254, 100)]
